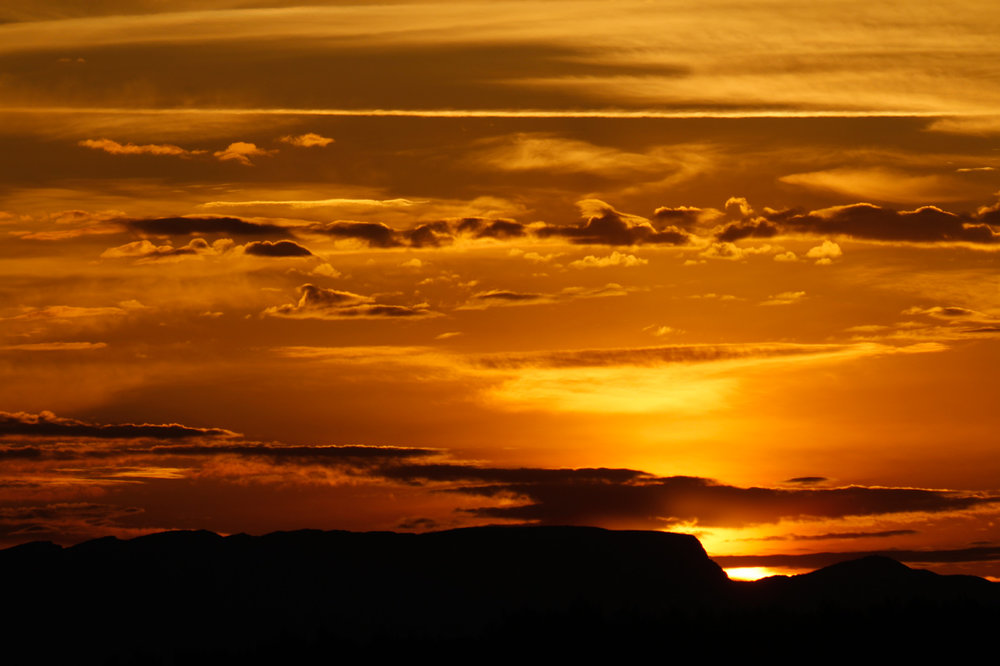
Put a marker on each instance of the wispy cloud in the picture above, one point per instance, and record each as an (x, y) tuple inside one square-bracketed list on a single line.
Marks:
[(115, 148)]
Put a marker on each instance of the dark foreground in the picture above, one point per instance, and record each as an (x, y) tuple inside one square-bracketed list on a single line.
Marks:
[(480, 595)]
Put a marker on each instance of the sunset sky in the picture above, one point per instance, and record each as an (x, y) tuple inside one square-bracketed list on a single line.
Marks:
[(726, 268)]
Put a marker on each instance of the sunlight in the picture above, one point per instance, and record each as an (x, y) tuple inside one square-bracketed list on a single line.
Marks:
[(749, 573)]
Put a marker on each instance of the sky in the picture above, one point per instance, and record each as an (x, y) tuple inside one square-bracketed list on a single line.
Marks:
[(725, 268)]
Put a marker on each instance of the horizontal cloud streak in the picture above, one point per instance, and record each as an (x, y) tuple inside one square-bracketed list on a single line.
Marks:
[(47, 424)]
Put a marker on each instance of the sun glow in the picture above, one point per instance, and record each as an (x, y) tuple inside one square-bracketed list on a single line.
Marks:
[(749, 573)]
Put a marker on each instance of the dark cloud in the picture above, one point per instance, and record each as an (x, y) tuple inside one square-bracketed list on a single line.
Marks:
[(230, 226), (818, 560), (648, 356), (969, 321), (504, 295), (418, 524), (989, 214), (448, 472), (282, 248), (317, 454), (839, 535), (481, 228), (807, 480), (59, 520), (316, 301), (431, 234), (375, 234), (685, 217), (863, 220), (611, 497), (38, 438), (660, 502), (47, 424), (321, 303), (146, 251), (606, 226), (383, 310), (427, 234), (625, 497), (752, 229)]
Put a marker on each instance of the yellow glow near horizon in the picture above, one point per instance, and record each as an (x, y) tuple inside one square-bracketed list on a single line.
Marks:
[(750, 573)]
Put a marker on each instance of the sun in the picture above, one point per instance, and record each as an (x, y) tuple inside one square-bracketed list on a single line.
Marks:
[(749, 573)]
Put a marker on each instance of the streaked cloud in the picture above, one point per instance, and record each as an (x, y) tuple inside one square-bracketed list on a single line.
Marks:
[(886, 185), (316, 203), (115, 148), (54, 346), (308, 140)]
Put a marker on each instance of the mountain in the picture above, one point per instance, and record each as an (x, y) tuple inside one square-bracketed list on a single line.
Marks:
[(482, 594)]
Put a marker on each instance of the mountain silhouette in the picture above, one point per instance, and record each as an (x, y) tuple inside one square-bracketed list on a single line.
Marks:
[(477, 594)]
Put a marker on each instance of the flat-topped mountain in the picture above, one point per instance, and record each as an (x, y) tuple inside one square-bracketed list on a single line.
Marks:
[(197, 597)]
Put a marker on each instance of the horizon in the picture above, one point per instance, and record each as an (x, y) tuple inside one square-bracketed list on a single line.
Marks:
[(726, 270)]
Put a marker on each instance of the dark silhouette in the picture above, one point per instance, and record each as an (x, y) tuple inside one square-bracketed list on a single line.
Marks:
[(480, 594)]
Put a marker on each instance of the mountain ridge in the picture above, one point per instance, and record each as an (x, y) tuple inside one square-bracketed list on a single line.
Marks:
[(199, 597)]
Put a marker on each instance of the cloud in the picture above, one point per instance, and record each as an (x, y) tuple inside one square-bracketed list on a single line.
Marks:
[(62, 520), (759, 228), (427, 234), (506, 297), (282, 248), (55, 346), (232, 226), (317, 203), (661, 331), (116, 453), (321, 303), (308, 140), (886, 185), (482, 228), (825, 254), (927, 224), (650, 356), (375, 234), (954, 316), (840, 535), (976, 126), (350, 455), (115, 148), (603, 225), (733, 252), (107, 452), (47, 424), (538, 151), (949, 312), (685, 217), (614, 259), (818, 560), (144, 251), (241, 151), (660, 502), (430, 234), (785, 298), (67, 312), (807, 480), (681, 379)]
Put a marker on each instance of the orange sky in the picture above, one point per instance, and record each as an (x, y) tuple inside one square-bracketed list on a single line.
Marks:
[(725, 268)]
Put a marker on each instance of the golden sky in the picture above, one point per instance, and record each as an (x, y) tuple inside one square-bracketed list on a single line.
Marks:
[(727, 268)]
